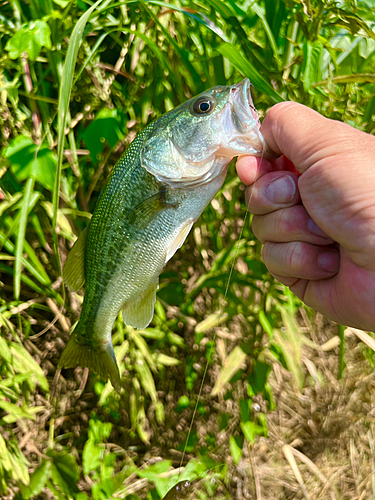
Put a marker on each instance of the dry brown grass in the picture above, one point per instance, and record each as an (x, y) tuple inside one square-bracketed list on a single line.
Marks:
[(321, 443), (321, 438)]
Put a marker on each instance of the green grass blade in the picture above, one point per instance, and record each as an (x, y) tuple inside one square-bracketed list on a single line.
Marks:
[(10, 247), (21, 237), (259, 12), (63, 111), (233, 55), (152, 45), (88, 59), (183, 55)]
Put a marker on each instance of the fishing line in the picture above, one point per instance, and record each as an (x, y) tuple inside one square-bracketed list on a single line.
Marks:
[(214, 337), (220, 315)]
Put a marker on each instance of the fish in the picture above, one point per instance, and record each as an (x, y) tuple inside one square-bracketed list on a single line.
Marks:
[(153, 196)]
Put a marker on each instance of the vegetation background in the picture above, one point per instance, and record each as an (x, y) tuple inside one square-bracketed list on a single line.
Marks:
[(286, 410)]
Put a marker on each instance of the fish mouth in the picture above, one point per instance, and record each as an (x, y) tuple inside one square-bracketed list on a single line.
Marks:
[(248, 138), (244, 109)]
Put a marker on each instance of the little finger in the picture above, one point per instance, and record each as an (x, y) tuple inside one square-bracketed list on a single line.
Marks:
[(301, 260)]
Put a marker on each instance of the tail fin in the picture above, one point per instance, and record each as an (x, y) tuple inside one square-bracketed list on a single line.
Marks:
[(100, 359)]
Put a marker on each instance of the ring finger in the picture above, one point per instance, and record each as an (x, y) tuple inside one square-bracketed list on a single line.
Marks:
[(289, 224)]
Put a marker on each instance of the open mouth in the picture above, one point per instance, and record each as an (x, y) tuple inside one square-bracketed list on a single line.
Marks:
[(249, 139), (248, 101), (244, 114)]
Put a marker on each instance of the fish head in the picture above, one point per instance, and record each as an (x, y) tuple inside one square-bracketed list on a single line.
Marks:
[(195, 142)]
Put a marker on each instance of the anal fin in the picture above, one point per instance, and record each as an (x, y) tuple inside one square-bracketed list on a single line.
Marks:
[(74, 268), (140, 312), (179, 240)]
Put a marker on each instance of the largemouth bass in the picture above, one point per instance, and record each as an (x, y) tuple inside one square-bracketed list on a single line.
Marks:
[(155, 193)]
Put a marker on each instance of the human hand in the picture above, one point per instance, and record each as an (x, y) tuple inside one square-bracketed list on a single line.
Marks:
[(316, 215)]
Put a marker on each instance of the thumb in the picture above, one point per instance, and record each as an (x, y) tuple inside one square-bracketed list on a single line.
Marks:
[(308, 138), (337, 184)]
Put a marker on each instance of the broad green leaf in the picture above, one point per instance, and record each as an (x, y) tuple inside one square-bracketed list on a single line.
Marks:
[(16, 412), (5, 457), (30, 38), (20, 463), (159, 412), (109, 126), (144, 349), (38, 480), (103, 490), (55, 491), (62, 221), (27, 412), (258, 378), (29, 160), (311, 63), (99, 431), (146, 378), (5, 350), (39, 477), (155, 470), (233, 363), (24, 362), (64, 472), (92, 456), (212, 321), (289, 342), (251, 430), (142, 425), (266, 325), (163, 359), (235, 450)]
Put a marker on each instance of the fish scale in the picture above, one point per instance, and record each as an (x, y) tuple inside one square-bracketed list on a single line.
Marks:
[(157, 190)]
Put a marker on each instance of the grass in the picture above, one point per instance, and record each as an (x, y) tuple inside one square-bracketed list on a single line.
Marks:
[(293, 418)]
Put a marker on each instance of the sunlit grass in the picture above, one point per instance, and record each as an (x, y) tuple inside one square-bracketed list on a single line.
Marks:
[(112, 67)]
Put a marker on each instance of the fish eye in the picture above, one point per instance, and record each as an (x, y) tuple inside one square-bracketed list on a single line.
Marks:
[(203, 106)]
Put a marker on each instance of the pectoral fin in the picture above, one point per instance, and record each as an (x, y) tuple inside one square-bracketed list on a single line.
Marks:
[(139, 312), (177, 243), (74, 269), (144, 213)]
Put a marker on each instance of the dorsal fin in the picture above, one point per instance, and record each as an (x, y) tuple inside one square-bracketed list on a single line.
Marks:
[(74, 269)]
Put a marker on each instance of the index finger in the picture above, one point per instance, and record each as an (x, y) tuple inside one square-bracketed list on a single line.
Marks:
[(250, 168)]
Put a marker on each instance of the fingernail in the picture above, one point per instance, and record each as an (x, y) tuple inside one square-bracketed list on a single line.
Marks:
[(329, 261), (315, 229), (281, 190)]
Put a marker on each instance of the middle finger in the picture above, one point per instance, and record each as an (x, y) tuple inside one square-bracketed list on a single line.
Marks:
[(273, 191)]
